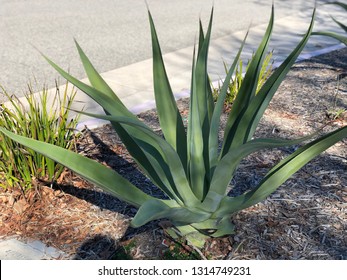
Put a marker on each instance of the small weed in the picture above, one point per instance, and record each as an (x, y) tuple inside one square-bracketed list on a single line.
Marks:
[(336, 112), (124, 251)]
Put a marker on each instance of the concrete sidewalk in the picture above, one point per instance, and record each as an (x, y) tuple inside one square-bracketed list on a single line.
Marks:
[(134, 86), (13, 249)]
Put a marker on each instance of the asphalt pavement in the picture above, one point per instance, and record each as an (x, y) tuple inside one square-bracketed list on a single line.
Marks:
[(114, 33)]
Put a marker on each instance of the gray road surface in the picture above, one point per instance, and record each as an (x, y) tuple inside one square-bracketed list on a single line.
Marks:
[(114, 33)]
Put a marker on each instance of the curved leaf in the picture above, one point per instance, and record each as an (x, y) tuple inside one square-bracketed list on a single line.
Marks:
[(142, 134), (151, 169), (234, 131), (215, 121), (158, 209), (342, 5), (102, 176), (95, 78), (342, 39), (227, 165), (280, 173), (257, 107)]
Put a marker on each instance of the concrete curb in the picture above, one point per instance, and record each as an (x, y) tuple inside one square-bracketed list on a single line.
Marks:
[(13, 249)]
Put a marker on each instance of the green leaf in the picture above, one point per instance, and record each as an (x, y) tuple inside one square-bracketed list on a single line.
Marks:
[(342, 39), (103, 99), (169, 116), (145, 138), (215, 121), (95, 78), (193, 236), (261, 101), (342, 5), (102, 176), (280, 173), (234, 132), (151, 169), (344, 27), (198, 124), (159, 209), (249, 118), (226, 167)]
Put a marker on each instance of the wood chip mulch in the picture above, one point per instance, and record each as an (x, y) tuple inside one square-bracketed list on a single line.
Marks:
[(306, 218)]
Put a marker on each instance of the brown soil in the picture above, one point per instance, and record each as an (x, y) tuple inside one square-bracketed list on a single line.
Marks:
[(306, 218)]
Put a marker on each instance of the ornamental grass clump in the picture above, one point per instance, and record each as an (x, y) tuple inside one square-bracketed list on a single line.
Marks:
[(190, 164), (33, 117), (236, 81)]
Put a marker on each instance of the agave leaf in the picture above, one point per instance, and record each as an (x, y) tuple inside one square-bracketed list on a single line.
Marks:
[(227, 165), (342, 5), (341, 38), (250, 117), (159, 209), (201, 77), (215, 121), (169, 116), (198, 129), (193, 236), (234, 132), (224, 227), (195, 143), (216, 227), (144, 135), (344, 27), (190, 117), (210, 101), (103, 99), (102, 176), (95, 78), (201, 36), (115, 108), (280, 173), (196, 162), (261, 101)]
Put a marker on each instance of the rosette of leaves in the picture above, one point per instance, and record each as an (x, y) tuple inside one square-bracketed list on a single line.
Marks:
[(188, 164)]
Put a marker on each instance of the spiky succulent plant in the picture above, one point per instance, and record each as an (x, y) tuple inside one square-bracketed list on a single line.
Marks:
[(190, 165)]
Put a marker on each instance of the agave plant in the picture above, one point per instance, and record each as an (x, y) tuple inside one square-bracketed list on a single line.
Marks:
[(341, 38), (190, 164)]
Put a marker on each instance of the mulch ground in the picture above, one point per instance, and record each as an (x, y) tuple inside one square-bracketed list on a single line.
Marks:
[(306, 218)]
